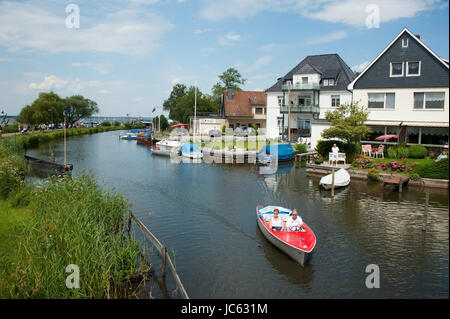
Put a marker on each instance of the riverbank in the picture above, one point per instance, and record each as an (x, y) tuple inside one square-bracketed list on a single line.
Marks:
[(70, 222)]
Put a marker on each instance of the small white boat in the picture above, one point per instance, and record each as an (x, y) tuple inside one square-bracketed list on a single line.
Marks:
[(165, 147), (129, 136), (341, 179)]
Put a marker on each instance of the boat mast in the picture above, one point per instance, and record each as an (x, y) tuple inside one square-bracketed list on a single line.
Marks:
[(195, 112), (289, 116)]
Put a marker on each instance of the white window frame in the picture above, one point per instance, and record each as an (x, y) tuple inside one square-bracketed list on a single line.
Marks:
[(333, 97), (423, 108), (303, 80), (325, 82), (407, 68), (397, 75), (403, 42), (280, 100), (384, 101), (331, 81)]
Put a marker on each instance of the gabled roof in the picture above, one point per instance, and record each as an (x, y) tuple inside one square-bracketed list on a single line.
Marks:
[(327, 65), (241, 103), (441, 60)]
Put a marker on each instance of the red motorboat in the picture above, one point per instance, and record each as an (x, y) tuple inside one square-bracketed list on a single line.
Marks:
[(296, 244)]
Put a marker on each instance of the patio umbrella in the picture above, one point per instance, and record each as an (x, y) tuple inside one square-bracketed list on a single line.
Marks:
[(386, 137), (179, 125)]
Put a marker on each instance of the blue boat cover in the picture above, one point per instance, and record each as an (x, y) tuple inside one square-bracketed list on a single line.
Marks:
[(285, 151), (190, 148)]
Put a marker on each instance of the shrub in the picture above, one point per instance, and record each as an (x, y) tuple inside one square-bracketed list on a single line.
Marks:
[(438, 170), (324, 147), (414, 176), (417, 151), (397, 166), (318, 159), (106, 123), (117, 123), (302, 148), (397, 152), (363, 162), (373, 175)]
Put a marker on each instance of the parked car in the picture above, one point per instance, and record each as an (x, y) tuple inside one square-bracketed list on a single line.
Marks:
[(214, 133), (243, 131)]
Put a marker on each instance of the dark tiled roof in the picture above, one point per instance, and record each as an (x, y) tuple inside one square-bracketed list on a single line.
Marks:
[(241, 104), (328, 65)]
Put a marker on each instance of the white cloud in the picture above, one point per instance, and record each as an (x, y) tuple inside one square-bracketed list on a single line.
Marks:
[(360, 67), (49, 82), (201, 31), (104, 91), (70, 86), (207, 51), (267, 47), (25, 26), (102, 68), (229, 39), (326, 38), (350, 12), (259, 63)]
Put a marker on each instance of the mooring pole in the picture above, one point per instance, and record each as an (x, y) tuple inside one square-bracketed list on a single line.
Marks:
[(65, 162), (427, 199), (164, 257), (332, 182)]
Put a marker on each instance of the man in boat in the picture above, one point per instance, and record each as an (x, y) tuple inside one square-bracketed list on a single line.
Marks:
[(294, 222)]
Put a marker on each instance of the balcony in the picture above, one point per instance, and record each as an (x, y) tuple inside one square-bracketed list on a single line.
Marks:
[(301, 87), (300, 109)]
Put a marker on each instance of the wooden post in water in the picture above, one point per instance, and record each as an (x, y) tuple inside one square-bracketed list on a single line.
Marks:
[(427, 199), (164, 257), (332, 183), (65, 162)]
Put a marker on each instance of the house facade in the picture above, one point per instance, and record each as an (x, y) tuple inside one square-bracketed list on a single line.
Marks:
[(237, 108), (316, 85), (406, 89)]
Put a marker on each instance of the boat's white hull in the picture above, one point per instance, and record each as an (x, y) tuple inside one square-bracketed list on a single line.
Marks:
[(192, 155), (341, 179), (296, 254)]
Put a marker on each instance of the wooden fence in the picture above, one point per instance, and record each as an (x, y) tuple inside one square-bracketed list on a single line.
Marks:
[(163, 251)]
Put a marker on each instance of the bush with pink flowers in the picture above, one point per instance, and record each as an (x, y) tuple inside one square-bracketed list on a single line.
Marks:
[(363, 162)]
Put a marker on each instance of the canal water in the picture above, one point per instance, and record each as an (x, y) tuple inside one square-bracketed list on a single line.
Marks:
[(205, 215)]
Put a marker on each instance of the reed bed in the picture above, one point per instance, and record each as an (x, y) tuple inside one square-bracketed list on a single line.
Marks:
[(73, 221)]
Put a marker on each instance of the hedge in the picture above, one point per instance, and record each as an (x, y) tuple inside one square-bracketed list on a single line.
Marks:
[(438, 170)]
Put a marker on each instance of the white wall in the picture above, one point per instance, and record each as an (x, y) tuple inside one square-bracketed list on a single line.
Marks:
[(316, 133), (325, 100), (404, 105), (273, 111), (312, 78)]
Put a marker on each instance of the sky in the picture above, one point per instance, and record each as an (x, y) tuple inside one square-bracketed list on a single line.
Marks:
[(126, 55)]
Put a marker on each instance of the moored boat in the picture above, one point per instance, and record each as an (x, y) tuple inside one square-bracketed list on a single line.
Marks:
[(190, 150), (296, 244), (165, 147), (284, 152), (128, 136), (144, 137), (341, 179)]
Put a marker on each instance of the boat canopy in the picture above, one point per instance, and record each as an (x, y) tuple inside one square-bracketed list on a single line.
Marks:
[(190, 148), (285, 151)]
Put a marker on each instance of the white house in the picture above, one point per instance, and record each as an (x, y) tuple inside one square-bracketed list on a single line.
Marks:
[(406, 91), (316, 85)]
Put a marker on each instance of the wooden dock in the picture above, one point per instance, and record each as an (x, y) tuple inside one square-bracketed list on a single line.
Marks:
[(396, 181)]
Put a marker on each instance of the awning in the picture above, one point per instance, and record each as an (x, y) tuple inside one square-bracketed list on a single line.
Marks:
[(383, 123), (425, 124)]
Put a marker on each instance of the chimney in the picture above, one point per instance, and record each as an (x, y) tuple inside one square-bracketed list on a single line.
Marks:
[(418, 36), (229, 93)]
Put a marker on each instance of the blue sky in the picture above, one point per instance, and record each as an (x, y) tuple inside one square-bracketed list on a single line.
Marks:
[(127, 55)]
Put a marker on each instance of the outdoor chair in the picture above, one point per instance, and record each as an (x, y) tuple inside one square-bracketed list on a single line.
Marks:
[(366, 149), (379, 152)]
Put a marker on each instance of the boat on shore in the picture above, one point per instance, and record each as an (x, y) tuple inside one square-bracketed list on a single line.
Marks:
[(341, 179), (165, 147), (284, 153), (296, 244), (192, 151)]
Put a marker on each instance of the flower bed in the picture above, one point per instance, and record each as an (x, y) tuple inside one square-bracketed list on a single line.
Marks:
[(403, 166)]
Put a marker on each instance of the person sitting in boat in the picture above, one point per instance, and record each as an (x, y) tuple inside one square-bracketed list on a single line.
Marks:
[(294, 222), (276, 223)]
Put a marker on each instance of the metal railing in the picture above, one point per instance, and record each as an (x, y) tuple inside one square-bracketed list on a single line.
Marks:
[(300, 109), (301, 86)]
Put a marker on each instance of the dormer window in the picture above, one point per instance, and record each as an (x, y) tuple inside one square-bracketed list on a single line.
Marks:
[(404, 42), (396, 69), (328, 82)]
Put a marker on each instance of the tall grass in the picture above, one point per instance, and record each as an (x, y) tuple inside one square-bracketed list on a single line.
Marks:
[(73, 222)]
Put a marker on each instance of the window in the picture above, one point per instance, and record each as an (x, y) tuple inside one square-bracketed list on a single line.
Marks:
[(280, 101), (429, 100), (404, 42), (381, 100), (304, 126), (304, 101), (328, 82), (396, 69), (413, 68), (335, 100), (325, 82), (305, 80), (259, 110)]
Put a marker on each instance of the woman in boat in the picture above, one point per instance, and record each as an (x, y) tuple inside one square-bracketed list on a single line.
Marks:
[(294, 222), (276, 223)]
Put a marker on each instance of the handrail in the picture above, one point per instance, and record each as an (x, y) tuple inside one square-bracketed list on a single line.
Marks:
[(163, 251)]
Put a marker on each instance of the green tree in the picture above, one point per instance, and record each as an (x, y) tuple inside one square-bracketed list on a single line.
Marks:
[(77, 107), (230, 78), (347, 123), (178, 91), (47, 108), (161, 122), (184, 106)]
